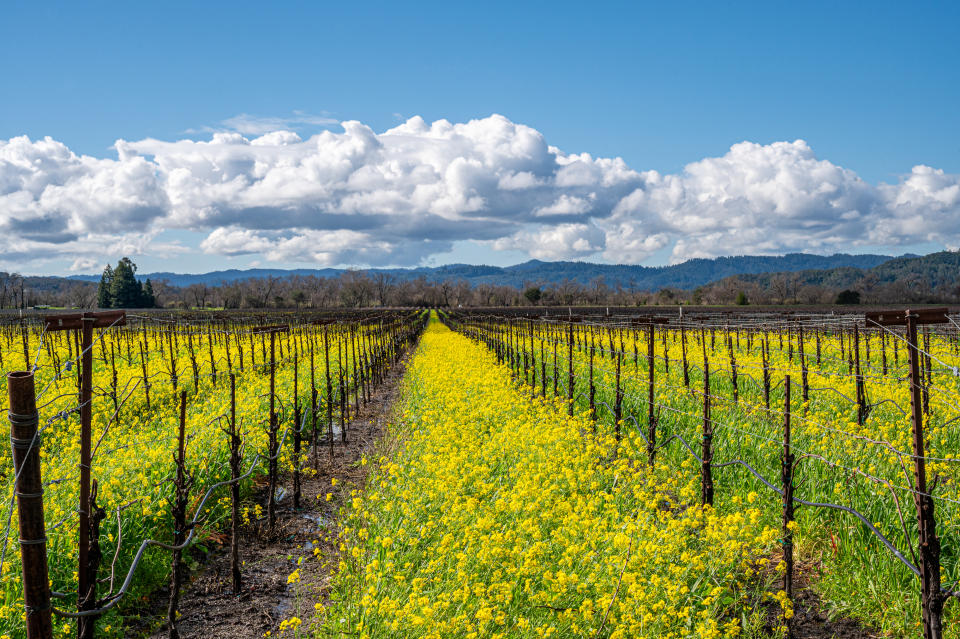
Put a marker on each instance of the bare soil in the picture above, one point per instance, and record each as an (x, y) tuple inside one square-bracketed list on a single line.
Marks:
[(810, 620), (209, 607)]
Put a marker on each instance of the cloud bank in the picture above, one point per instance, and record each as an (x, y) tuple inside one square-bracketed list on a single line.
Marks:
[(400, 196)]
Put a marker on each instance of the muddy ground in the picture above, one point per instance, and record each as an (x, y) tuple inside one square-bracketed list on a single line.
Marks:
[(810, 620)]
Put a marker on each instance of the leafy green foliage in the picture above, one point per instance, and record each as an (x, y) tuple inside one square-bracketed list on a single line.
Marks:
[(119, 288)]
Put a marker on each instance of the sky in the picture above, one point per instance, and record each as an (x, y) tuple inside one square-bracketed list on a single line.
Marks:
[(201, 136)]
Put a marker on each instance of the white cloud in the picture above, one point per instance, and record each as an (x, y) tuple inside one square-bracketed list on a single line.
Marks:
[(84, 264), (397, 197), (561, 242)]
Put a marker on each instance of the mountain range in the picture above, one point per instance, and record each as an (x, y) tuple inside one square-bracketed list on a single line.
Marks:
[(687, 275), (926, 272)]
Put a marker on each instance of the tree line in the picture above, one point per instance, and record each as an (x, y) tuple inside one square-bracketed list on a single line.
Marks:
[(119, 288)]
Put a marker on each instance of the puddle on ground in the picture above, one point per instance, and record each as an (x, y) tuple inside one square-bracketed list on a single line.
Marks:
[(283, 609), (317, 518)]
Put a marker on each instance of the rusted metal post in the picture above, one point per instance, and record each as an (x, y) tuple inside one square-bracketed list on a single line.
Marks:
[(25, 443)]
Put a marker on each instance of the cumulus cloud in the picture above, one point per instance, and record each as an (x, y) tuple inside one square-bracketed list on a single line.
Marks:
[(355, 196), (84, 264), (560, 242)]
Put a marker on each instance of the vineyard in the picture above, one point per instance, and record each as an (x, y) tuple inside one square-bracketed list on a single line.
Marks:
[(175, 422), (544, 474)]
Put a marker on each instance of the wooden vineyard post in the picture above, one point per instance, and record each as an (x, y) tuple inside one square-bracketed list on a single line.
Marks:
[(733, 366), (932, 596), (786, 473), (765, 357), (272, 496), (173, 362), (235, 444), (213, 364), (85, 323), (651, 416), (146, 378), (861, 392), (274, 451), (651, 396), (592, 391), (181, 495), (570, 368), (683, 346), (355, 371), (706, 472), (25, 334), (313, 407), (342, 390), (618, 401), (533, 362), (804, 377), (883, 351), (25, 443), (556, 392), (297, 434), (87, 582), (328, 397), (543, 369), (666, 354)]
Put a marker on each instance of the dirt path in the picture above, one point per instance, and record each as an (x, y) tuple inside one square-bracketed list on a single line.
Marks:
[(810, 618), (210, 609)]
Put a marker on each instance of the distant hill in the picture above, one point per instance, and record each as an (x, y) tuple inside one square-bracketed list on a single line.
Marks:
[(932, 277), (687, 275), (935, 270)]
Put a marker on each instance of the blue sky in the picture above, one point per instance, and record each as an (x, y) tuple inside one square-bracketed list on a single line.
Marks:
[(872, 88)]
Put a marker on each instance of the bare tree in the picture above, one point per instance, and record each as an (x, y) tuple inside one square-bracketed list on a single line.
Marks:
[(383, 283), (356, 289), (81, 295), (257, 291), (199, 294)]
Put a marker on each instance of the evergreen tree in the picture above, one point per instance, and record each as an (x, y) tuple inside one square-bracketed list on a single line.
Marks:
[(149, 299), (125, 289), (104, 290)]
